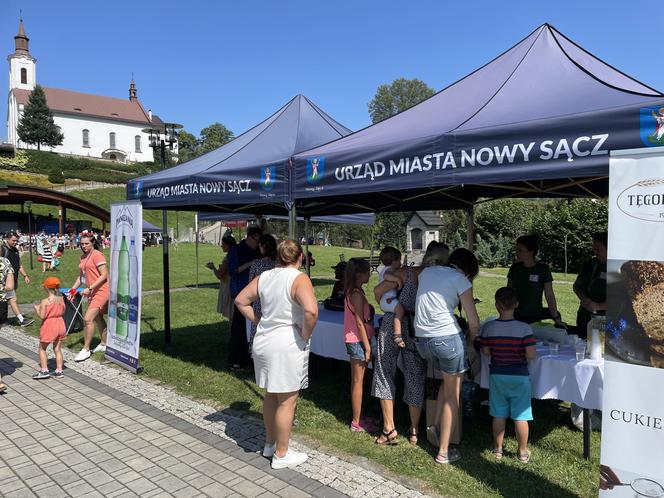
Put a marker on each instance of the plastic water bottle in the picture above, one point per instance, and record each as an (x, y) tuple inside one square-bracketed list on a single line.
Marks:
[(133, 293), (121, 322)]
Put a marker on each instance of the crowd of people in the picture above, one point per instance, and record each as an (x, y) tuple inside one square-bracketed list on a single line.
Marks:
[(430, 319), (91, 284)]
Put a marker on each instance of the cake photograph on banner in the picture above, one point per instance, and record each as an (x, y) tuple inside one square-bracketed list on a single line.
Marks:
[(635, 316), (633, 400)]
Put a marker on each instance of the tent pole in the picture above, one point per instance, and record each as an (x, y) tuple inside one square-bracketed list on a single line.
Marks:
[(470, 218), (167, 299), (306, 244), (196, 231), (292, 223)]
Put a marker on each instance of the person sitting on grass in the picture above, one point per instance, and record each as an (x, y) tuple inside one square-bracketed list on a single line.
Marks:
[(391, 259), (52, 331), (510, 344)]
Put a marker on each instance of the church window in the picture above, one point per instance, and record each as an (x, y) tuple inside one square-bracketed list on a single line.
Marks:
[(111, 140), (137, 143), (86, 138), (24, 76)]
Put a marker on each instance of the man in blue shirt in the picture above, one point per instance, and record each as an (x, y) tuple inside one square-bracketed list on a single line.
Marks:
[(240, 258)]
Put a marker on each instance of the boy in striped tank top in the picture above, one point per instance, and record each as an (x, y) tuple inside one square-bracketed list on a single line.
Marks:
[(510, 344)]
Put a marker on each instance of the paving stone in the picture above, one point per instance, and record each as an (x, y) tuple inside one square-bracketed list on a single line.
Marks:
[(174, 446), (141, 486)]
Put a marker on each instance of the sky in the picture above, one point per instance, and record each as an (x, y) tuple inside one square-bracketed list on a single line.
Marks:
[(197, 62)]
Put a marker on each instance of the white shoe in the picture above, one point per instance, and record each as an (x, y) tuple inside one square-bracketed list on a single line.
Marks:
[(101, 348), (82, 355), (290, 459), (269, 449)]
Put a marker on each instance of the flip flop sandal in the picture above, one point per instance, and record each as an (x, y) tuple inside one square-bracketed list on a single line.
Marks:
[(524, 457), (452, 456), (498, 453), (412, 436), (3, 387), (388, 438)]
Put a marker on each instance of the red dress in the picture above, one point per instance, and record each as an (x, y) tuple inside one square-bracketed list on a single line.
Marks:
[(89, 267), (53, 326)]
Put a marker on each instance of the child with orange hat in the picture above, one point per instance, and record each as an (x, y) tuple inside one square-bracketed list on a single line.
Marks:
[(52, 331)]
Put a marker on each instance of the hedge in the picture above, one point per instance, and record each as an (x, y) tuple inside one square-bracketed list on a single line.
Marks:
[(58, 167)]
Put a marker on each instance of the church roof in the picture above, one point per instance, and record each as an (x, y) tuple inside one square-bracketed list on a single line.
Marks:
[(85, 104)]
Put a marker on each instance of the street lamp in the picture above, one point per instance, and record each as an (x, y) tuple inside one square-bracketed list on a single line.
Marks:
[(170, 136), (28, 205)]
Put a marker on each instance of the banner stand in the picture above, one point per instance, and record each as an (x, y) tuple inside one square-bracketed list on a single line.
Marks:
[(125, 274)]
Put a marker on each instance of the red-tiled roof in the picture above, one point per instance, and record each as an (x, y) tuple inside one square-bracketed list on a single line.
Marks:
[(85, 104)]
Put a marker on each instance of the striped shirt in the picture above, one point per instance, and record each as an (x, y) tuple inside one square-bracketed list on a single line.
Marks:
[(507, 340)]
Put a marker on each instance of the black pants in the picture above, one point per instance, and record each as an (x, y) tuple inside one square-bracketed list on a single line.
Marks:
[(239, 347)]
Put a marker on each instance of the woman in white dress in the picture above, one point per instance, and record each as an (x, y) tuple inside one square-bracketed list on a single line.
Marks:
[(281, 345)]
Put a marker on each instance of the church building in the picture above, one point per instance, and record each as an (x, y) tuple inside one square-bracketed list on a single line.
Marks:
[(93, 126)]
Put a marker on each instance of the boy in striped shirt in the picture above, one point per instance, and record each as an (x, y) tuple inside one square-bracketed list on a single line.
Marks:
[(510, 344)]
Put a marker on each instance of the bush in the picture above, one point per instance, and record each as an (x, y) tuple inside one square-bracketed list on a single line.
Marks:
[(59, 167), (56, 177)]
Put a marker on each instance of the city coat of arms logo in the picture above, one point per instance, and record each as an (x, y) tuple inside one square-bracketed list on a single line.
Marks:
[(268, 177), (652, 126), (315, 170)]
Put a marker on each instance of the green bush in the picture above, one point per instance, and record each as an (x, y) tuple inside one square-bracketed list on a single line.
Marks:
[(55, 176), (59, 167)]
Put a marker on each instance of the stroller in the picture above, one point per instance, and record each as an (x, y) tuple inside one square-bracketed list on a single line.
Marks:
[(73, 302)]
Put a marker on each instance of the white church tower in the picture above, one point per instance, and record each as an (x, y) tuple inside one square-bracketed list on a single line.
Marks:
[(22, 76), (93, 126)]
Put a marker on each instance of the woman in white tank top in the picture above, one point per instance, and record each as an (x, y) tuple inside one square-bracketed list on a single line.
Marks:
[(281, 346)]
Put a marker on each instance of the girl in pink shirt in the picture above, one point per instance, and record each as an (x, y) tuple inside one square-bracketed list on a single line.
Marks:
[(358, 331)]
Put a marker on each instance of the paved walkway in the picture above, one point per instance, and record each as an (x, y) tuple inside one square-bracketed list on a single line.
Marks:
[(101, 431)]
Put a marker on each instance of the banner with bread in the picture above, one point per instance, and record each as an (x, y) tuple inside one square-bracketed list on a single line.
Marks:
[(633, 403)]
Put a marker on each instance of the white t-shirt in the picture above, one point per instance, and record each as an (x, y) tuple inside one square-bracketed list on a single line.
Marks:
[(438, 291)]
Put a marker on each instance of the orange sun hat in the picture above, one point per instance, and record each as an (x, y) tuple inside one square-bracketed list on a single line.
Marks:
[(51, 283)]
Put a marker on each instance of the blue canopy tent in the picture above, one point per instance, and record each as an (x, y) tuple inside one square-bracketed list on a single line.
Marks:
[(537, 121), (249, 174), (150, 228), (344, 219)]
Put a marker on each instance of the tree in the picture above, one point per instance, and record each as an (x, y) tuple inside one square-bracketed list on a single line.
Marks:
[(391, 230), (214, 136), (188, 146), (398, 96), (36, 126)]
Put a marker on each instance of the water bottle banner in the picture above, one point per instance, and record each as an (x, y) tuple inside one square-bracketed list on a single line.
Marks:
[(633, 408), (124, 307)]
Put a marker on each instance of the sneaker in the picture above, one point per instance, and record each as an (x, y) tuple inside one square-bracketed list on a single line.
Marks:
[(269, 449), (26, 321), (452, 456), (290, 459), (41, 374), (58, 374), (355, 427), (101, 348), (82, 355)]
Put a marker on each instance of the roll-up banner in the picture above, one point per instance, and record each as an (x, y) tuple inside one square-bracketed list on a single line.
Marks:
[(124, 307), (632, 461)]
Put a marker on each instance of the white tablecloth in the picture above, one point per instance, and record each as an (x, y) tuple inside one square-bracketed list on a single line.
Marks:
[(328, 337), (561, 376)]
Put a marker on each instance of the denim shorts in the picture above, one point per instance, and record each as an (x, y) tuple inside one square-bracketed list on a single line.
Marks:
[(356, 350), (446, 353)]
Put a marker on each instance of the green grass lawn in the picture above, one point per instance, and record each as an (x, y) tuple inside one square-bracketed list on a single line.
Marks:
[(195, 364)]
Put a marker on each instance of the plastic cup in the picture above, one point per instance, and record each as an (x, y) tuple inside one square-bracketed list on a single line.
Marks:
[(580, 349)]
